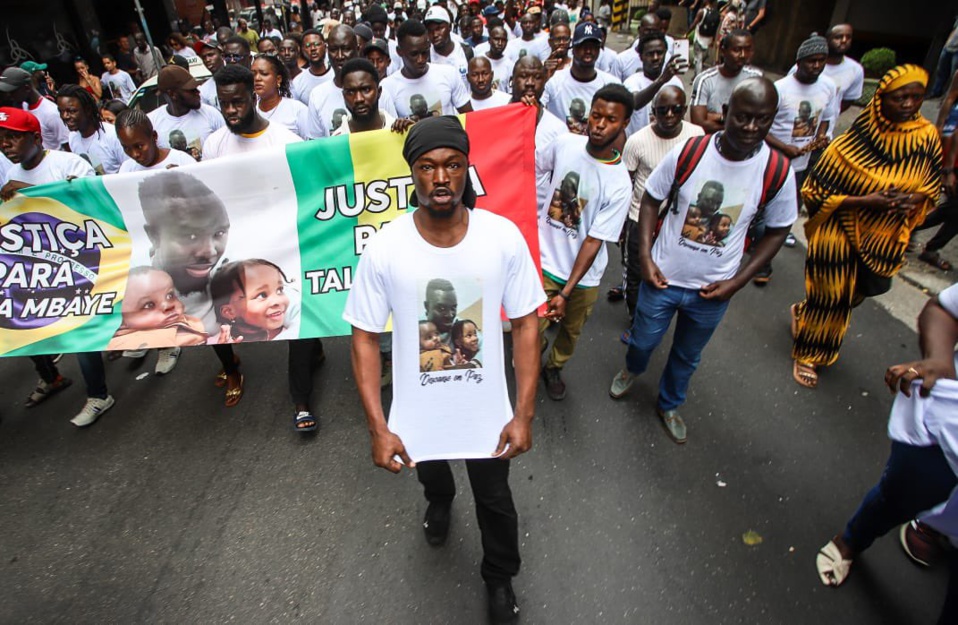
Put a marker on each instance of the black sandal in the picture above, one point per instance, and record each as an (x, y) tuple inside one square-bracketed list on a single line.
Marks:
[(304, 421)]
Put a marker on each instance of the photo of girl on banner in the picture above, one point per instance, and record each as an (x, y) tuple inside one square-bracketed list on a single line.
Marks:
[(196, 232)]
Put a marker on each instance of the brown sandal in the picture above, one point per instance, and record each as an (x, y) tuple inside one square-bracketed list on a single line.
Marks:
[(234, 391), (805, 374), (935, 260)]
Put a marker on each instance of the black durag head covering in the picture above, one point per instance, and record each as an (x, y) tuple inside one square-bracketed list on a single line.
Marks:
[(438, 132)]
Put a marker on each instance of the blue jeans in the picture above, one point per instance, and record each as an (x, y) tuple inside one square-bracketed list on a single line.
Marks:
[(698, 318), (94, 374), (915, 479), (947, 64)]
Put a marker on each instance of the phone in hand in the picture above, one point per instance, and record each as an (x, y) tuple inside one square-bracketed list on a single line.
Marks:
[(681, 48)]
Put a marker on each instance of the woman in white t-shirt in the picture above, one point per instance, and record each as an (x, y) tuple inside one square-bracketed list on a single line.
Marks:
[(135, 132), (117, 84), (272, 86)]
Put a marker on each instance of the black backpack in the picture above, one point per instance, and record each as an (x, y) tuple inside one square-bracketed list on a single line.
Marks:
[(710, 23)]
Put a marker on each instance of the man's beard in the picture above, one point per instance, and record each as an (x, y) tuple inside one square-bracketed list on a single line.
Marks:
[(245, 124)]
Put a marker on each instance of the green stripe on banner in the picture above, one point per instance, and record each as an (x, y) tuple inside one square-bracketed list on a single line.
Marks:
[(88, 195), (324, 243)]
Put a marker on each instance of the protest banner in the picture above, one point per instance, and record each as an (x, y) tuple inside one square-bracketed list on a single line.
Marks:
[(160, 258)]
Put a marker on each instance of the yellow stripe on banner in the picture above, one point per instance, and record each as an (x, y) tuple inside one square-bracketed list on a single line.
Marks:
[(377, 160), (111, 277)]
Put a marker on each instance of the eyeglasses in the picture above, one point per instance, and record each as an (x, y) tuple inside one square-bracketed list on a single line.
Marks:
[(675, 109), (233, 58)]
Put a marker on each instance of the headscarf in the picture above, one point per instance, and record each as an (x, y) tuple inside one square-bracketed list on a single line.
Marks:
[(438, 132), (873, 155)]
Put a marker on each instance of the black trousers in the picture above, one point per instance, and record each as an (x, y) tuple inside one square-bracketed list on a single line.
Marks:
[(304, 355), (633, 274), (225, 353), (45, 367), (495, 510), (945, 215)]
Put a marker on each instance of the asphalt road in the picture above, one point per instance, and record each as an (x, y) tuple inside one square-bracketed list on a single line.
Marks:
[(175, 509)]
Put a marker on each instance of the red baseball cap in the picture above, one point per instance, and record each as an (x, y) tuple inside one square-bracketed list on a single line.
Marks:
[(18, 120)]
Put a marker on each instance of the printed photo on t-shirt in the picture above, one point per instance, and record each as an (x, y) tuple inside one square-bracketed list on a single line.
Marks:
[(566, 206), (421, 109), (450, 328), (576, 119), (95, 164), (178, 142), (339, 115), (806, 121), (712, 215)]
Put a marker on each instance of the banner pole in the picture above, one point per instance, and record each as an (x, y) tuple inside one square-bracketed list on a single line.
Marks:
[(157, 60)]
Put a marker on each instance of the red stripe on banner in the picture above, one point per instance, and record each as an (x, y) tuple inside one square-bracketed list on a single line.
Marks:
[(502, 149)]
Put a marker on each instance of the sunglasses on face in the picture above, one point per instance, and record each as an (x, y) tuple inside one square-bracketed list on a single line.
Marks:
[(233, 58), (675, 109)]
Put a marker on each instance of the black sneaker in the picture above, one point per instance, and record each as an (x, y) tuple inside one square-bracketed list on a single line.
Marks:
[(555, 387), (436, 523), (502, 602), (763, 275)]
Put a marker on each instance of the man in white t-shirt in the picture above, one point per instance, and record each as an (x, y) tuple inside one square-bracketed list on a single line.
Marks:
[(586, 206), (531, 42), (378, 21), (317, 72), (444, 50), (628, 61), (17, 88), (245, 129), (212, 56), (695, 264), (21, 142), (643, 152), (89, 137), (569, 92), (327, 112), (117, 84), (422, 89), (847, 73), (361, 97), (808, 107), (712, 88), (654, 75), (528, 83), (482, 93), (185, 122), (448, 403), (500, 63)]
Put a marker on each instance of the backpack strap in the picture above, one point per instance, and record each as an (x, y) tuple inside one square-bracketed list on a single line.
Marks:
[(688, 160), (776, 172)]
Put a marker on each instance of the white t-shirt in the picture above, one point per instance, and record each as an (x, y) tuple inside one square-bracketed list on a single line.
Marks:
[(53, 131), (195, 127), (121, 84), (801, 110), (502, 73), (5, 166), (548, 129), (712, 90), (102, 149), (439, 91), (186, 52), (644, 151), (456, 60), (174, 158), (446, 413), (562, 91), (208, 94), (289, 113), (628, 63), (54, 167), (327, 110), (636, 83), (305, 82), (848, 76), (388, 121), (695, 250), (586, 198), (608, 61), (224, 142), (519, 47), (496, 98)]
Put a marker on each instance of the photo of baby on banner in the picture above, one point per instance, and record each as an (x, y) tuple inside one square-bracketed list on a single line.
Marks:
[(184, 288)]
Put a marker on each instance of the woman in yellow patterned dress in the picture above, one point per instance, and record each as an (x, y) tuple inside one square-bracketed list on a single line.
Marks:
[(869, 190)]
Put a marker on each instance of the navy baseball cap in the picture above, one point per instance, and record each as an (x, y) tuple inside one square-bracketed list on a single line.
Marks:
[(586, 31)]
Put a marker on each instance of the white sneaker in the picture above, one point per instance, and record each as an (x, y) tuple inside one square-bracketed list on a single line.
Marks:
[(92, 410), (166, 359), (134, 353)]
